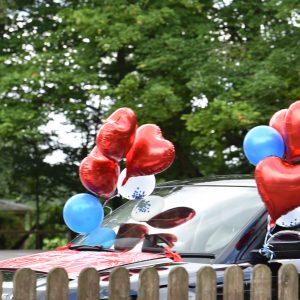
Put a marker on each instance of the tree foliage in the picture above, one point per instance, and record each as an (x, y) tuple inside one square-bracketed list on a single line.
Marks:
[(204, 71)]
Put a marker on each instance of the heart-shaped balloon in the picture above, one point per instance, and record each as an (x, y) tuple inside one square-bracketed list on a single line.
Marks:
[(96, 152), (278, 183), (278, 122), (116, 135), (150, 152), (292, 127), (99, 174)]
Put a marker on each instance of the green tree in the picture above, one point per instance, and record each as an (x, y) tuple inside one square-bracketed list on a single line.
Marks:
[(256, 73), (167, 59), (204, 71), (144, 51), (25, 175)]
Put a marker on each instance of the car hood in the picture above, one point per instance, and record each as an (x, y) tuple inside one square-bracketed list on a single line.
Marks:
[(74, 261)]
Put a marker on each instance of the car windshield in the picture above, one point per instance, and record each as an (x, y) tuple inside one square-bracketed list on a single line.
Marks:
[(188, 219)]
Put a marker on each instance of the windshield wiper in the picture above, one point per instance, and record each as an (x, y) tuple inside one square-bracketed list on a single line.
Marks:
[(91, 248), (197, 255)]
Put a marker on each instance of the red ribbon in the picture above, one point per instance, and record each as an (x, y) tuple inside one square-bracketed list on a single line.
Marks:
[(67, 247), (174, 256)]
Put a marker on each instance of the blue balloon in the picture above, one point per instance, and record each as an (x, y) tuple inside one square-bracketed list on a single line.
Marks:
[(261, 142), (83, 213), (101, 236)]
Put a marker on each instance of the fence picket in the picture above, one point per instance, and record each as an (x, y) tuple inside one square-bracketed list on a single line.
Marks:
[(119, 284), (206, 284), (148, 285), (88, 284), (233, 284), (24, 285), (57, 284), (178, 284), (261, 283), (1, 282), (288, 283)]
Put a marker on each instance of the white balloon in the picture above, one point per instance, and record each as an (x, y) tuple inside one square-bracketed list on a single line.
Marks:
[(136, 188), (290, 219), (147, 208)]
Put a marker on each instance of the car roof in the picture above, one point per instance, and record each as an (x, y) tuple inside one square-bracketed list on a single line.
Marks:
[(224, 180)]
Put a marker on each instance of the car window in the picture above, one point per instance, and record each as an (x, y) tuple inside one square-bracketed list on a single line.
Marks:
[(191, 219)]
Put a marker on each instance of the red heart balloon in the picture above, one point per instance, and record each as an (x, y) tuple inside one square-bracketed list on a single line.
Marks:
[(278, 122), (278, 183), (99, 175), (96, 152), (116, 135), (292, 127), (150, 152)]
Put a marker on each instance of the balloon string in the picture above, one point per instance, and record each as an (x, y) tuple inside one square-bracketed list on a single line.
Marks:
[(105, 203), (110, 209), (266, 248), (107, 200)]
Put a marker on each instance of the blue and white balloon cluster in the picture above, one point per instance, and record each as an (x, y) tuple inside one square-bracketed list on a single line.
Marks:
[(83, 213)]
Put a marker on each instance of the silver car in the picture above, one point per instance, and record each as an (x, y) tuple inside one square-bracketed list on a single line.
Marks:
[(190, 223)]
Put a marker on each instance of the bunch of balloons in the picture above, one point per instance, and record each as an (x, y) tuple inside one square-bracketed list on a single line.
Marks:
[(275, 151), (146, 153), (144, 148)]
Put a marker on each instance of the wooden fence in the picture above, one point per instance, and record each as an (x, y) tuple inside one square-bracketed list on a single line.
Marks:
[(24, 283)]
